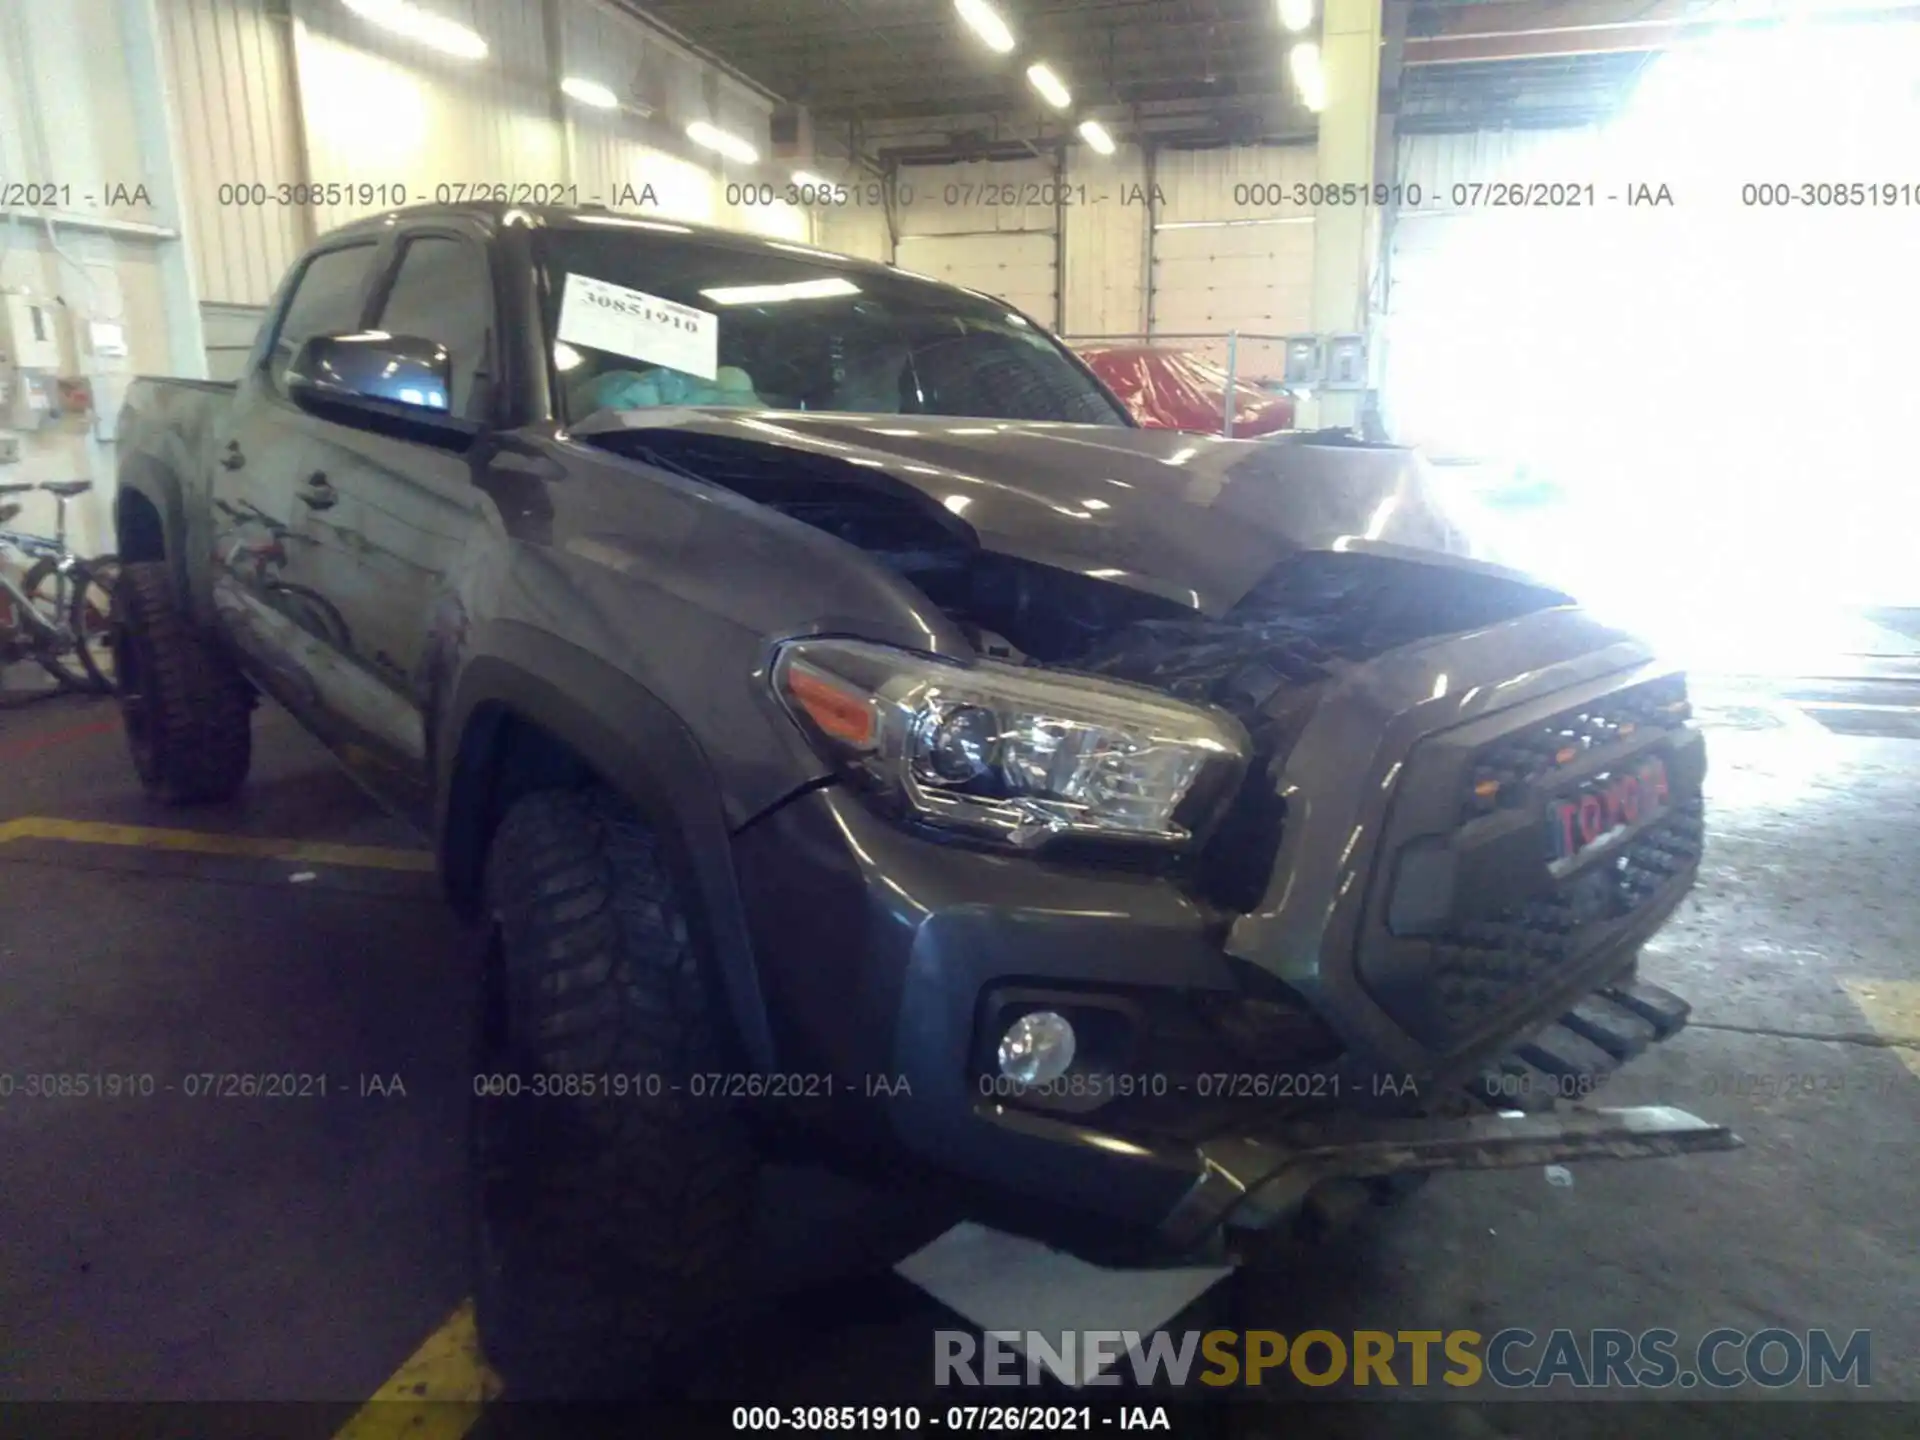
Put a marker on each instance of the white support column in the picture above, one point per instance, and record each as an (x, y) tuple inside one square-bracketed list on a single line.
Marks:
[(160, 159), (1345, 237)]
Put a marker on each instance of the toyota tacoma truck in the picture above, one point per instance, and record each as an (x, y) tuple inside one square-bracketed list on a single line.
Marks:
[(851, 735)]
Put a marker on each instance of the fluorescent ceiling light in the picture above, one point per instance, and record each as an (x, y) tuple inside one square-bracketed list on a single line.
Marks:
[(590, 92), (716, 139), (985, 22), (1095, 134), (807, 180), (773, 294), (1303, 61), (1296, 15), (1049, 86), (436, 32)]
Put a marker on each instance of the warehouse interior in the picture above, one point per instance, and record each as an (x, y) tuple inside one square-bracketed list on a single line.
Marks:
[(1634, 277)]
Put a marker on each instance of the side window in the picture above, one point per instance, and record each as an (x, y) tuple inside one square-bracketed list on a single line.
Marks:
[(443, 292), (326, 301)]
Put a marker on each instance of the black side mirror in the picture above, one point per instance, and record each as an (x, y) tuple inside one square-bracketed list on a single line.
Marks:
[(376, 376)]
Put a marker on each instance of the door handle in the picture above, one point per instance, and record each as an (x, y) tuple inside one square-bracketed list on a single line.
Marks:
[(319, 494)]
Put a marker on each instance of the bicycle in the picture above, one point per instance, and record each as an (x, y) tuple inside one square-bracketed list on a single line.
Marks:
[(60, 612)]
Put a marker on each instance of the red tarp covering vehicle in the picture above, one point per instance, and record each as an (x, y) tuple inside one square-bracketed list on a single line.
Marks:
[(1179, 390)]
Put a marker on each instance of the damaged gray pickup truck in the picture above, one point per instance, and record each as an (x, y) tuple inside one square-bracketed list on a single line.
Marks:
[(849, 733)]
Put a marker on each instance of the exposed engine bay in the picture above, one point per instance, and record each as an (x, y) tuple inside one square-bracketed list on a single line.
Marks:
[(1315, 613)]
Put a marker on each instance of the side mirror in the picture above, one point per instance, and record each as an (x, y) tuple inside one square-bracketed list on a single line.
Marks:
[(376, 375)]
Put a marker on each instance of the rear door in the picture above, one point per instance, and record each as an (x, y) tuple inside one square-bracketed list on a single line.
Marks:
[(382, 517), (262, 454)]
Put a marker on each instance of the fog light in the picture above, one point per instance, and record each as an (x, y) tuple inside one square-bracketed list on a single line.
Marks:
[(1037, 1048)]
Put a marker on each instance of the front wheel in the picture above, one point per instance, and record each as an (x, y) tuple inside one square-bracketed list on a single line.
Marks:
[(610, 1207)]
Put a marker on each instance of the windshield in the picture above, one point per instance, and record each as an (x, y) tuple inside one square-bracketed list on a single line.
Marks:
[(649, 319)]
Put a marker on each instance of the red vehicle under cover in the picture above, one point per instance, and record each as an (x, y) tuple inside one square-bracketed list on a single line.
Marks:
[(1179, 390)]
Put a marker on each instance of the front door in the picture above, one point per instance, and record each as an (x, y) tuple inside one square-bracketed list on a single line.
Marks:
[(382, 518), (262, 455)]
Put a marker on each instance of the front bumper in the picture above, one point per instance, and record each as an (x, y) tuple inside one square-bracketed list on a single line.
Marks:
[(1252, 1182), (891, 960), (884, 986)]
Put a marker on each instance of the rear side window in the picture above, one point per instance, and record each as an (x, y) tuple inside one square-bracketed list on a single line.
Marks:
[(443, 292), (326, 301)]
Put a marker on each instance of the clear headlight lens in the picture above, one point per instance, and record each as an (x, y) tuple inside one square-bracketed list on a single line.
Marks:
[(1008, 753)]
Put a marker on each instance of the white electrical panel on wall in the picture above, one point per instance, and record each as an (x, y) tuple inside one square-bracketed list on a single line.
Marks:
[(30, 341), (1346, 362), (1303, 361), (108, 341)]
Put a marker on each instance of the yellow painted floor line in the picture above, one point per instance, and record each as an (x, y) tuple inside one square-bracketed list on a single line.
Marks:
[(252, 847), (1892, 1008), (436, 1395)]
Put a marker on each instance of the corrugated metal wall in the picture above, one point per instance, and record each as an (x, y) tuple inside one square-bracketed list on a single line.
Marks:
[(272, 94), (384, 116), (1106, 220), (230, 90), (612, 163)]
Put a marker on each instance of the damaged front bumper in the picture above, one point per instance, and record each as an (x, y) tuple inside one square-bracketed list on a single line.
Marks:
[(1509, 1116), (1252, 1182)]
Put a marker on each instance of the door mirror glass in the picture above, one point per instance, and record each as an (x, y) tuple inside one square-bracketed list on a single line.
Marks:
[(404, 376)]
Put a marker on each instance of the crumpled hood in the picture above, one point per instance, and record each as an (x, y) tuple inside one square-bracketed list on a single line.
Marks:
[(1196, 519)]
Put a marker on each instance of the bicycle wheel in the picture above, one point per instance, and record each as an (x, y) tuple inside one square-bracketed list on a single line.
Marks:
[(90, 617), (57, 595)]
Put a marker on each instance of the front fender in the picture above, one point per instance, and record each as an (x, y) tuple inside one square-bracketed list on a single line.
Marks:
[(637, 745)]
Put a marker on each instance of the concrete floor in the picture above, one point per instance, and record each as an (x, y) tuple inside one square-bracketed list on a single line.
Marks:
[(204, 1249)]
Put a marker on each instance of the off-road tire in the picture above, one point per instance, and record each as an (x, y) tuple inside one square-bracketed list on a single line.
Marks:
[(188, 711), (609, 1229)]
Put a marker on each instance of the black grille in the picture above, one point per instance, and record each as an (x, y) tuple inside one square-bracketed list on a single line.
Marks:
[(1478, 969), (1505, 773)]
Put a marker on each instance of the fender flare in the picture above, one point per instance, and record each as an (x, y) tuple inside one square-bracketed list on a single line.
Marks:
[(639, 747), (153, 482)]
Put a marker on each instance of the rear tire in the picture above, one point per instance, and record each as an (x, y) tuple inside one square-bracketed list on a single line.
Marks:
[(187, 708), (608, 1228)]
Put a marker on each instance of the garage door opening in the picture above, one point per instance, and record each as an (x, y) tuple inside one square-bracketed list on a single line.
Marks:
[(1701, 368)]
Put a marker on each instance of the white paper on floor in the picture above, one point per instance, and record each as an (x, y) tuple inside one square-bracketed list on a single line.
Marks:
[(1019, 1289)]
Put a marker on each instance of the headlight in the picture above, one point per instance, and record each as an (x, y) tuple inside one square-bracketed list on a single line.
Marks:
[(1012, 754)]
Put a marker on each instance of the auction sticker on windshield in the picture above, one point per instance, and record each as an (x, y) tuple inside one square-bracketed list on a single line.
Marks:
[(605, 316)]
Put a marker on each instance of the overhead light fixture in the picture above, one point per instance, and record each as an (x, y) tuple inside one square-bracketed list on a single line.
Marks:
[(436, 32), (1296, 15), (590, 92), (1303, 61), (1095, 134), (713, 138), (774, 294), (1049, 86), (985, 22), (807, 180)]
